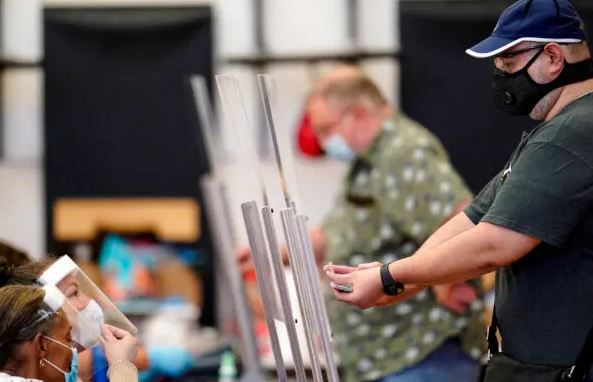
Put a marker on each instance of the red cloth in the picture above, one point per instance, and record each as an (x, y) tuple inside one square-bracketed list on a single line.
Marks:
[(308, 142)]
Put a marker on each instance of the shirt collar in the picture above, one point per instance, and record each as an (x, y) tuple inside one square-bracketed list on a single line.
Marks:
[(13, 378)]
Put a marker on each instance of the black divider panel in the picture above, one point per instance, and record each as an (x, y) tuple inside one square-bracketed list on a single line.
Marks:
[(119, 112)]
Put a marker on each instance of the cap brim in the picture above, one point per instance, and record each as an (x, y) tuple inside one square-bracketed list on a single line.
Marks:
[(491, 47), (496, 45)]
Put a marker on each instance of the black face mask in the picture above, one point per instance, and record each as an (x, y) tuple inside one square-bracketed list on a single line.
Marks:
[(518, 94)]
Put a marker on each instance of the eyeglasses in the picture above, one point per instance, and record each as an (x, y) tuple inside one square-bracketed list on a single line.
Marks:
[(507, 55)]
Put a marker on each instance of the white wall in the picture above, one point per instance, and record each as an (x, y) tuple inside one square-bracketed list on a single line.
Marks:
[(305, 26), (21, 208), (22, 115), (292, 27), (21, 202), (21, 30)]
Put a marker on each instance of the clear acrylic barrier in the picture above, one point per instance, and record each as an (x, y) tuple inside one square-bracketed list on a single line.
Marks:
[(86, 297), (209, 129), (251, 178), (302, 258), (216, 203)]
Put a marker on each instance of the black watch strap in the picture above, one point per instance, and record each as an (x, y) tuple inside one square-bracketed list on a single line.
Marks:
[(390, 286)]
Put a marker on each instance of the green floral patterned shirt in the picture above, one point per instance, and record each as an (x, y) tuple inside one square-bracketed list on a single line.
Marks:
[(395, 195)]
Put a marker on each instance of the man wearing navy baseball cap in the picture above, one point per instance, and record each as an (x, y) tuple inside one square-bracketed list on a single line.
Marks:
[(539, 48), (533, 222)]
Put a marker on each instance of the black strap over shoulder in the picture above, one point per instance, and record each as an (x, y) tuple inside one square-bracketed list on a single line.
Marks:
[(585, 360), (578, 372), (493, 346)]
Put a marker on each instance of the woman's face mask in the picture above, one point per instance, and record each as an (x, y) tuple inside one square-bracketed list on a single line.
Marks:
[(72, 374), (86, 336)]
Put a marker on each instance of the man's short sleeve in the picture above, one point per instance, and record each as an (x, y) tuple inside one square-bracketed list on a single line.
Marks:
[(482, 202), (545, 195)]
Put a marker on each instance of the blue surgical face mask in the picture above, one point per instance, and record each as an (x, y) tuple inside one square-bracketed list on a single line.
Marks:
[(337, 147), (72, 375)]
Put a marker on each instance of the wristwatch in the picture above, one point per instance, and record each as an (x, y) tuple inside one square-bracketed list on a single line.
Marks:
[(390, 286)]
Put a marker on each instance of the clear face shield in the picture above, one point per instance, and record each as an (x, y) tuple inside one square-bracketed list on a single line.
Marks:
[(59, 304), (91, 304)]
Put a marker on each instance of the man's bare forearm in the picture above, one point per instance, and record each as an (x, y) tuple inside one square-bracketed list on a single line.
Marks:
[(464, 256), (453, 227), (411, 291)]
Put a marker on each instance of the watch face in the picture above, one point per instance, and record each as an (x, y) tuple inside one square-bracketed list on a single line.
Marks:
[(394, 290)]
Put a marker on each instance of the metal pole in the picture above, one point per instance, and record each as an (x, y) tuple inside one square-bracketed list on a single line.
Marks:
[(352, 23), (321, 313), (257, 244), (278, 267), (224, 249), (207, 124), (303, 295), (264, 87)]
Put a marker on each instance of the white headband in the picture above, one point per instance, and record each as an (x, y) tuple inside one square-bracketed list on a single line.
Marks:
[(54, 298), (58, 271)]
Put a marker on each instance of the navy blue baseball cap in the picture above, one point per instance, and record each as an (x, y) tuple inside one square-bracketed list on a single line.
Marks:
[(532, 20)]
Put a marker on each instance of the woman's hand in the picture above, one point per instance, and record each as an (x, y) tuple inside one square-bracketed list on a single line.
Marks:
[(118, 344)]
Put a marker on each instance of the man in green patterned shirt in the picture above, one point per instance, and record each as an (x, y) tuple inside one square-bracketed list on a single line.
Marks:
[(399, 189)]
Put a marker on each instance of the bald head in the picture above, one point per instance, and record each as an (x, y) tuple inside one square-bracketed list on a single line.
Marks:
[(336, 75), (346, 86)]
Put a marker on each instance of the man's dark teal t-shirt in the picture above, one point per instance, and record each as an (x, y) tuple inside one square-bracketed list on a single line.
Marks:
[(544, 302)]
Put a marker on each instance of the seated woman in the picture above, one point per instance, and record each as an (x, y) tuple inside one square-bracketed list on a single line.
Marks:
[(36, 326), (92, 304), (67, 277)]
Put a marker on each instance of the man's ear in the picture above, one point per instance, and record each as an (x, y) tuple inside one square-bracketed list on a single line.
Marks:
[(359, 111), (555, 56)]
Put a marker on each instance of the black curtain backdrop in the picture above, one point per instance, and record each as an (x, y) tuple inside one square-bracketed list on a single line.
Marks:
[(448, 91), (119, 114)]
